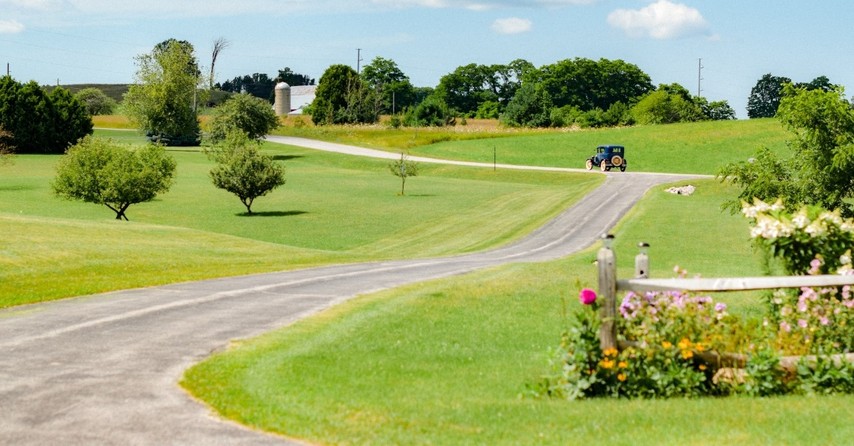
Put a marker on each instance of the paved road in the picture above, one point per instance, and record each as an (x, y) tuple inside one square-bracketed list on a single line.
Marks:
[(104, 369)]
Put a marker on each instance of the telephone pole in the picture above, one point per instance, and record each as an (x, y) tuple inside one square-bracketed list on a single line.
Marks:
[(699, 76), (358, 60)]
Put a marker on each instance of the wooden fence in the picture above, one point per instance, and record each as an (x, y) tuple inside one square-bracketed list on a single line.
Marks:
[(609, 285)]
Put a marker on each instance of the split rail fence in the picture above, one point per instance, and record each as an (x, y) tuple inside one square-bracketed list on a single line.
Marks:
[(609, 285)]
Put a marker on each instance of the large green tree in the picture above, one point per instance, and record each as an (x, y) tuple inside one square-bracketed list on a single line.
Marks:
[(468, 87), (41, 122), (342, 97), (390, 84), (163, 99), (765, 96), (820, 169), (103, 172), (530, 107), (588, 85)]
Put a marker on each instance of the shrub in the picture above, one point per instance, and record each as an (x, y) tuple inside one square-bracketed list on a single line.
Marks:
[(245, 113)]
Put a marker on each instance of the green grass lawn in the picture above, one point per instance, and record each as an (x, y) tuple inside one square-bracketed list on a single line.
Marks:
[(333, 209), (447, 362), (700, 147)]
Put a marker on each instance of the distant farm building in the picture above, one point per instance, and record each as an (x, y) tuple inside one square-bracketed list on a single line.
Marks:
[(292, 100)]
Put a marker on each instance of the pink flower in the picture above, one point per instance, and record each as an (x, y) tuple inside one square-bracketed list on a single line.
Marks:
[(785, 326), (587, 296), (802, 323)]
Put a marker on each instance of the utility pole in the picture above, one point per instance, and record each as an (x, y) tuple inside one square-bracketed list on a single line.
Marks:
[(8, 73), (699, 76), (358, 61)]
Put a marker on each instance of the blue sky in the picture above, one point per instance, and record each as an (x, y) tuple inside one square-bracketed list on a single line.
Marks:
[(95, 41)]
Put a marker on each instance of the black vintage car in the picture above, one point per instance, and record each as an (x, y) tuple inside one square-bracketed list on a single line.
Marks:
[(607, 157)]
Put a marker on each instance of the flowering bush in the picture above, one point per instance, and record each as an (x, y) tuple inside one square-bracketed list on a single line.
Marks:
[(668, 338), (797, 239), (673, 343)]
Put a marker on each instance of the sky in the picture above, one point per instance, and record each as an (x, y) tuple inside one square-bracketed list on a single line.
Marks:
[(735, 42)]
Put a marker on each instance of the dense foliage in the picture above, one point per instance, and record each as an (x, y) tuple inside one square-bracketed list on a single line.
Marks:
[(248, 114), (390, 85), (96, 101), (243, 170), (41, 122), (100, 171), (820, 170), (343, 97), (765, 96), (163, 100)]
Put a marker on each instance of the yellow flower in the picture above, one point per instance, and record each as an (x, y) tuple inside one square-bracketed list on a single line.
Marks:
[(610, 352), (666, 344), (606, 364), (685, 343), (623, 364), (621, 377), (687, 354), (702, 367), (699, 347)]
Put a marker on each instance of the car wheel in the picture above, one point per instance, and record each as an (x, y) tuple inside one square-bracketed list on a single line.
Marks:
[(616, 160), (623, 168), (589, 164), (603, 166)]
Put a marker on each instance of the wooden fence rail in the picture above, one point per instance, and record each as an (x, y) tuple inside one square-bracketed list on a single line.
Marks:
[(609, 285)]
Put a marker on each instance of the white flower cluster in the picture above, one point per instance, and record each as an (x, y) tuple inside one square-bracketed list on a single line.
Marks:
[(760, 207), (771, 224)]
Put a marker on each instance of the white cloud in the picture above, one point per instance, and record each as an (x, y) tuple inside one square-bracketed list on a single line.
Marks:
[(512, 25), (10, 27), (660, 20)]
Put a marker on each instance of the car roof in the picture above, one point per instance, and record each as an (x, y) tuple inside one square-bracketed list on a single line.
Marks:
[(609, 146)]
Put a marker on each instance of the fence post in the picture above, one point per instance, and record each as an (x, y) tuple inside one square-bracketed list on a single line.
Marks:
[(608, 292), (642, 262)]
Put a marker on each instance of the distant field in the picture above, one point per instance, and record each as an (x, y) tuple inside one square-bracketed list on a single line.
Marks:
[(700, 147)]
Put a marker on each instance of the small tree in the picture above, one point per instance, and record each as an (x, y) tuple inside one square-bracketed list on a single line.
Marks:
[(402, 169), (96, 101), (246, 113), (102, 172), (244, 171)]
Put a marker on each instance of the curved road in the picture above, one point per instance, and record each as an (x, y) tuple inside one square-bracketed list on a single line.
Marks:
[(104, 369)]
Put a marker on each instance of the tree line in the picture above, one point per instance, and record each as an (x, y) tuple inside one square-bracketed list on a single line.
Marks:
[(580, 91)]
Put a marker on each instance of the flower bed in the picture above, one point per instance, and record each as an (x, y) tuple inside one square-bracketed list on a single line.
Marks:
[(681, 344)]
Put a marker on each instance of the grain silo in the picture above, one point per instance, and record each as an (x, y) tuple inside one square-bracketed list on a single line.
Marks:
[(282, 106)]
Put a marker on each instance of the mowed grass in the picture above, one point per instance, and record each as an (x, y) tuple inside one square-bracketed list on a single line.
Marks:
[(700, 147), (447, 362), (333, 209)]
